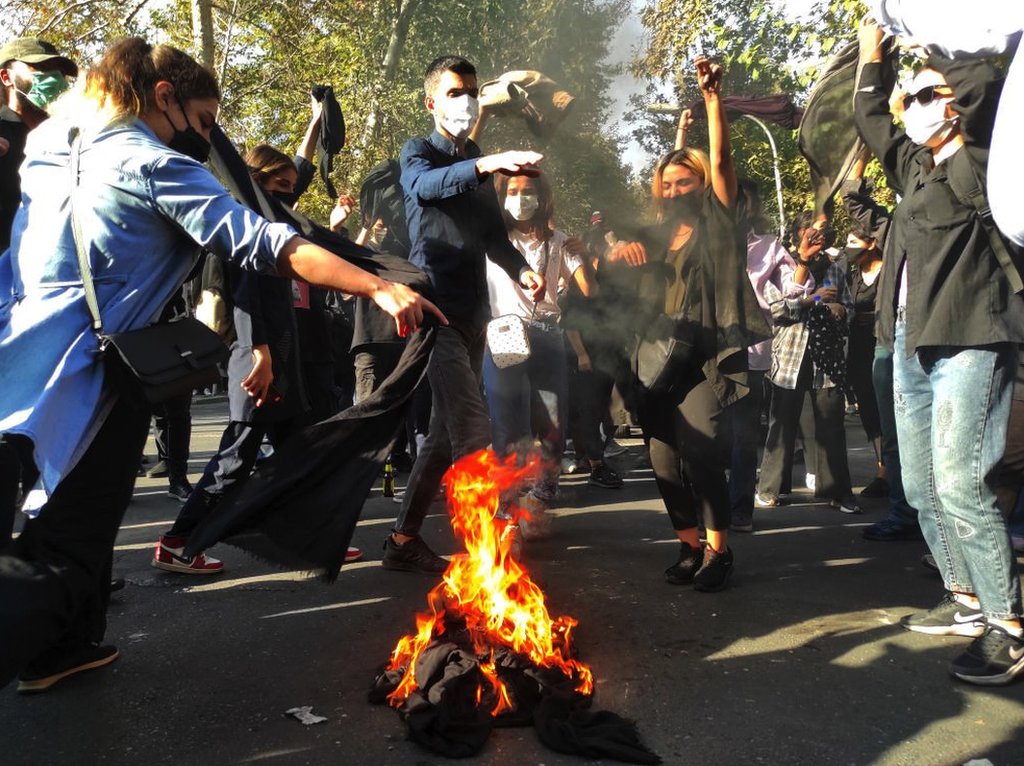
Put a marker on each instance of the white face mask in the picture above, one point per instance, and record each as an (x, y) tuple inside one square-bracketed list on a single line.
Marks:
[(924, 122), (459, 114), (522, 206)]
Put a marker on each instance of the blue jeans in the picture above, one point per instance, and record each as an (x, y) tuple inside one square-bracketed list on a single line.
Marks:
[(900, 510), (952, 406), (529, 399)]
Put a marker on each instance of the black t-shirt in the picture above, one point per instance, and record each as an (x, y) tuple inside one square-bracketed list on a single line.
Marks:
[(14, 131)]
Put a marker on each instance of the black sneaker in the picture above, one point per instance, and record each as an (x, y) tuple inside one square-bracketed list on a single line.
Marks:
[(993, 659), (715, 572), (878, 487), (690, 560), (887, 531), (179, 489), (948, 618), (43, 673), (603, 476), (412, 556)]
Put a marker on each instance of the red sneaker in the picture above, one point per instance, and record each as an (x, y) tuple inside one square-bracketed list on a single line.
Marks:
[(353, 554), (170, 556)]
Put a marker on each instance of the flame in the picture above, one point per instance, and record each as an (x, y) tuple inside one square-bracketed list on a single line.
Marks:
[(487, 589)]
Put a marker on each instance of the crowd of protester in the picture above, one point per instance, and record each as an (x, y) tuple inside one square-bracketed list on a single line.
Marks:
[(722, 340)]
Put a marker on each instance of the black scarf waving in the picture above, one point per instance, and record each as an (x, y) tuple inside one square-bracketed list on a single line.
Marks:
[(301, 506)]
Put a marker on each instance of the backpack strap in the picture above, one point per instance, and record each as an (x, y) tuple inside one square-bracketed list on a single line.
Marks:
[(970, 191)]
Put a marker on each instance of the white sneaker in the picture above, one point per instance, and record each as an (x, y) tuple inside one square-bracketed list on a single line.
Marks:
[(809, 481)]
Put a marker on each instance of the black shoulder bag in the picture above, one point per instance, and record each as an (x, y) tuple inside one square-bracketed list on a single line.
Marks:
[(167, 359)]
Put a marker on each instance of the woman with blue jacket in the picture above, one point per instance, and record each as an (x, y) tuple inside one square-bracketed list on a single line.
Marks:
[(145, 206)]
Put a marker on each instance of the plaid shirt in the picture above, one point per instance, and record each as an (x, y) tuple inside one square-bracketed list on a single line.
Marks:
[(790, 335)]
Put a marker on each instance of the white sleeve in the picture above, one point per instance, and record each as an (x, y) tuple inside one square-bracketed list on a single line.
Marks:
[(990, 27)]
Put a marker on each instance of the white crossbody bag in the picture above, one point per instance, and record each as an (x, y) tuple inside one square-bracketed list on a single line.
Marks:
[(508, 338)]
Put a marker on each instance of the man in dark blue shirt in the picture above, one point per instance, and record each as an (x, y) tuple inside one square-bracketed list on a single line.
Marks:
[(454, 223)]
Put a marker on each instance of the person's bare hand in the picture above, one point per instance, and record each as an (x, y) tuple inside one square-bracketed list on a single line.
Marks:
[(534, 284), (869, 38), (632, 253), (811, 243), (515, 163), (685, 119), (709, 77), (406, 305), (341, 210), (825, 294), (4, 146), (317, 108), (257, 382), (584, 364), (838, 310)]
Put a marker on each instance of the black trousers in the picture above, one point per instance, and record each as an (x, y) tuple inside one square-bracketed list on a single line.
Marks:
[(172, 430), (233, 464), (18, 472), (832, 472), (859, 363), (55, 578), (689, 440)]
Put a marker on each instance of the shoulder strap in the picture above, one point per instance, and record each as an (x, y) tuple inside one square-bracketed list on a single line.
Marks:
[(973, 194), (76, 232)]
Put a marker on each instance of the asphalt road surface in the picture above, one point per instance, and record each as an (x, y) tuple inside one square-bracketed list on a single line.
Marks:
[(801, 661)]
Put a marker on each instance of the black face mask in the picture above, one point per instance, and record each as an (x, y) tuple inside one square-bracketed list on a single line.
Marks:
[(854, 254), (188, 141), (286, 198), (684, 206)]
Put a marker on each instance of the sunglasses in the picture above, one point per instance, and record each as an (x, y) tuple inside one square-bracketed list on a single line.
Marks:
[(927, 94)]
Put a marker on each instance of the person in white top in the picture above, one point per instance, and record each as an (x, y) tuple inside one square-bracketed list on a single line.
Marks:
[(528, 400)]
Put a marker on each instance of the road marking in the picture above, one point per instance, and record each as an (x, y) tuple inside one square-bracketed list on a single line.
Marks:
[(327, 607)]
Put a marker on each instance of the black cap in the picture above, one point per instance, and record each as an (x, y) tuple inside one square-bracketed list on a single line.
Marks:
[(31, 50)]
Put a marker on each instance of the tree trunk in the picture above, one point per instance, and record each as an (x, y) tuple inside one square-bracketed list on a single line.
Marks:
[(202, 32), (396, 44)]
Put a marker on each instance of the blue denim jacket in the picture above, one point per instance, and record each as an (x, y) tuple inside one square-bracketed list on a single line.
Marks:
[(144, 211), (454, 222)]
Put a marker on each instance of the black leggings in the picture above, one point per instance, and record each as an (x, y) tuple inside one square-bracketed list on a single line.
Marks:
[(689, 444)]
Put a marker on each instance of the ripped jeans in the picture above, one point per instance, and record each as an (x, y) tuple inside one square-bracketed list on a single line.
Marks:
[(952, 407)]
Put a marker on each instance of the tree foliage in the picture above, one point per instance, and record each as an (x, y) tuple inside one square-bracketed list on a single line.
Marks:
[(763, 50), (268, 53)]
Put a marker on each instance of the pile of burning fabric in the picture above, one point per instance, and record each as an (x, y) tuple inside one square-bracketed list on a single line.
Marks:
[(488, 654)]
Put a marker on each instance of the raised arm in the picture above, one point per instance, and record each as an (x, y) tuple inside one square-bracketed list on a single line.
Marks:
[(889, 144), (723, 172), (312, 132)]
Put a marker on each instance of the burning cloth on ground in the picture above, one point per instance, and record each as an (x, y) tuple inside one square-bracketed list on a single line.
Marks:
[(488, 653)]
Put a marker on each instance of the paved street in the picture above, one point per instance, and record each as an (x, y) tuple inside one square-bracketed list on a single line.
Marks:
[(800, 662)]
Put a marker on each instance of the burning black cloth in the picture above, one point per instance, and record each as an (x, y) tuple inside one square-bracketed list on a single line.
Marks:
[(444, 715), (301, 506), (827, 136), (332, 133)]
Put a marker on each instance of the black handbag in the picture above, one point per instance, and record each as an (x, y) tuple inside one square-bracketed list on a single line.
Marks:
[(662, 354), (167, 359)]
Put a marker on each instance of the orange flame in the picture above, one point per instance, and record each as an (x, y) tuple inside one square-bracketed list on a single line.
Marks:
[(487, 588)]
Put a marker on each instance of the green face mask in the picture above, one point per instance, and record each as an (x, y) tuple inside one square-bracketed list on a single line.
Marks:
[(46, 86)]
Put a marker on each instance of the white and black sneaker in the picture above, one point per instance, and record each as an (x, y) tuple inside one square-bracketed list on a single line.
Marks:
[(993, 659), (948, 618)]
